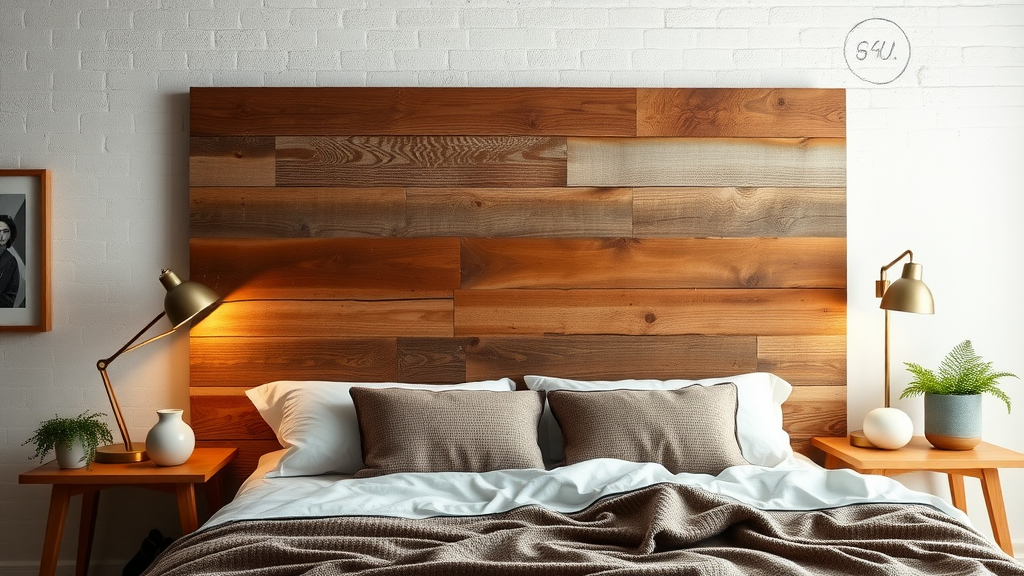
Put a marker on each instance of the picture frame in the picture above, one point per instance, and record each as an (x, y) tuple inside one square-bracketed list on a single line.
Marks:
[(25, 291)]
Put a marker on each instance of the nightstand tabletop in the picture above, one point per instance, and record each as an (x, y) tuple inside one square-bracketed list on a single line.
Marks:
[(919, 455), (199, 468)]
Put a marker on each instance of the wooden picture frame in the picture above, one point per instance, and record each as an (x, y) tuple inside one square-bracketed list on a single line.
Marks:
[(25, 304)]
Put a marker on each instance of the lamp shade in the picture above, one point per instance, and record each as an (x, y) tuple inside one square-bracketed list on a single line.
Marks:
[(186, 300), (909, 293)]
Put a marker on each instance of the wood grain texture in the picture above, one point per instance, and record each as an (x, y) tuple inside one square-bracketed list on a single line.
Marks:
[(805, 360), (329, 318), (327, 268), (754, 162), (423, 161), (414, 111), (432, 360), (739, 212), (249, 362), (754, 113), (815, 411), (651, 312), (231, 161), (317, 212), (519, 212), (492, 263), (609, 357), (450, 234)]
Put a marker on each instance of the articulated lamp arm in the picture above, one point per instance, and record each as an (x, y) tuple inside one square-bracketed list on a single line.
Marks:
[(102, 365)]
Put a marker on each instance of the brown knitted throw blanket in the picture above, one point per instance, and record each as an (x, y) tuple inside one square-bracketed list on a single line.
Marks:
[(661, 529)]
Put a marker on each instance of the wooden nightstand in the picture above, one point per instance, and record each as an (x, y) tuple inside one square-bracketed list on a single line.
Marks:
[(201, 468), (983, 462)]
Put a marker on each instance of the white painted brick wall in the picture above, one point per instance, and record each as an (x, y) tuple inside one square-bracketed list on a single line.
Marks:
[(96, 90)]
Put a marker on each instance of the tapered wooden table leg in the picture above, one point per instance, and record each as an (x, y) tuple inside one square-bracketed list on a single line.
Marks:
[(86, 530), (187, 507), (957, 492), (60, 495), (993, 490)]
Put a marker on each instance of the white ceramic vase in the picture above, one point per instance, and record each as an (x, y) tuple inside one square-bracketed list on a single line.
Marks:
[(170, 441), (70, 457), (888, 428)]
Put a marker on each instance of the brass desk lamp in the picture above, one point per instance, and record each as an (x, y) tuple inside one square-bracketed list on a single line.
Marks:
[(908, 294), (184, 302)]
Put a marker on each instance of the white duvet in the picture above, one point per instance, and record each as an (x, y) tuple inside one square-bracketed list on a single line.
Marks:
[(792, 485)]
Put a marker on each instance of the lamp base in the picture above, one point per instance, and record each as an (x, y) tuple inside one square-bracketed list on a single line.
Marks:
[(116, 454), (858, 439)]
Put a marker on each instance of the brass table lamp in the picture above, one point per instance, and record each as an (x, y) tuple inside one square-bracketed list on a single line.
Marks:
[(184, 302), (908, 294)]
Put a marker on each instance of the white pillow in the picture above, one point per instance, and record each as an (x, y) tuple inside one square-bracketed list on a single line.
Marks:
[(316, 421), (758, 418)]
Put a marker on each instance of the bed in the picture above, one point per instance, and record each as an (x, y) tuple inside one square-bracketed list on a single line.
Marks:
[(507, 330)]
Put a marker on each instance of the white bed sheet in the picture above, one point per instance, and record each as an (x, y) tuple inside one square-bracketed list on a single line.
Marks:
[(797, 484)]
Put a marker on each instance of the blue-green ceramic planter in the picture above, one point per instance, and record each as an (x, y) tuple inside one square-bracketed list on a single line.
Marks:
[(952, 422)]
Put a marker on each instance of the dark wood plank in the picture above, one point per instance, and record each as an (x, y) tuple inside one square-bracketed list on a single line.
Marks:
[(490, 263), (607, 357), (519, 212), (226, 416), (717, 162), (414, 111), (742, 113), (424, 161), (432, 360), (250, 362), (739, 212), (318, 212), (330, 318), (804, 360), (325, 268), (231, 161), (248, 457), (662, 311)]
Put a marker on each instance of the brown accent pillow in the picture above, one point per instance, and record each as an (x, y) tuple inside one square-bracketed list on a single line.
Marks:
[(405, 430), (691, 429)]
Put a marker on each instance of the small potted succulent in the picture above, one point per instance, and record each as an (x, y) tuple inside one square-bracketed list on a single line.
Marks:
[(952, 396), (73, 440)]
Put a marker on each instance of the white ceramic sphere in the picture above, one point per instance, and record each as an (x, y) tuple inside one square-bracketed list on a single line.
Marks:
[(888, 428), (171, 441)]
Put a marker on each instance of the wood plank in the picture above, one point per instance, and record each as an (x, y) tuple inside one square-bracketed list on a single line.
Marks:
[(739, 212), (329, 318), (412, 111), (742, 113), (607, 357), (231, 161), (318, 212), (804, 360), (521, 212), (325, 267), (432, 360), (815, 411), (227, 417), (248, 457), (661, 311), (250, 362), (492, 263), (424, 161), (778, 162)]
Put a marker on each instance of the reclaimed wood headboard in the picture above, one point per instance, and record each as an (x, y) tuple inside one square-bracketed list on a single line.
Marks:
[(451, 234)]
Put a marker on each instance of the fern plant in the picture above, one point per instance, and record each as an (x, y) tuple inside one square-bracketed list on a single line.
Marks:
[(962, 372), (64, 431)]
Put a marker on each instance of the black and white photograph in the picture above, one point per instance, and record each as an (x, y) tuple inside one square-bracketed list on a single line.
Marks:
[(24, 299)]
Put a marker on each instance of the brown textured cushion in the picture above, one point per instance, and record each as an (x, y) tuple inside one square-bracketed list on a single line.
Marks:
[(458, 430), (692, 429)]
